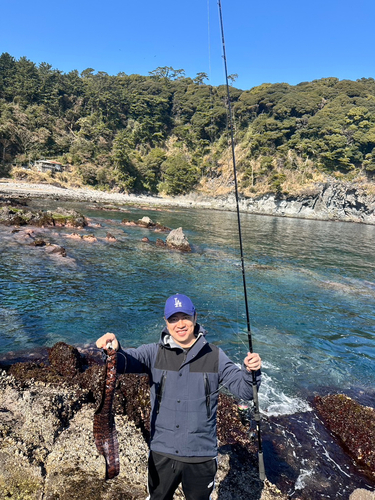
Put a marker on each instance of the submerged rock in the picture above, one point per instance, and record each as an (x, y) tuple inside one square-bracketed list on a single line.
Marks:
[(160, 243), (110, 237), (52, 249), (177, 240), (353, 424)]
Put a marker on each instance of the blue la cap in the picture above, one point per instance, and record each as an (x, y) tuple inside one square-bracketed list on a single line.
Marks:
[(178, 303)]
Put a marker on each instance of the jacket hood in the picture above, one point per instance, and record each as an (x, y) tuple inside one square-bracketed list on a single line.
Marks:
[(167, 340)]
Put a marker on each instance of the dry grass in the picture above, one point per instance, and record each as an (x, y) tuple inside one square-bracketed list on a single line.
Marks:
[(65, 179)]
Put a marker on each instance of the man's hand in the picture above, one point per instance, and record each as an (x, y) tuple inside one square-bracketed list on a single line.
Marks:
[(107, 338), (252, 362)]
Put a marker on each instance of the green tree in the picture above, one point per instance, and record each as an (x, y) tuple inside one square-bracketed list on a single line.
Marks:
[(180, 175)]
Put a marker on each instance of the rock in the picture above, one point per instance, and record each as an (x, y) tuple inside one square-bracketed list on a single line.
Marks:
[(160, 243), (145, 239), (110, 237), (65, 360), (68, 218), (331, 200), (72, 473), (75, 236), (21, 216), (18, 478), (89, 237), (354, 426), (362, 494), (38, 242), (177, 240), (47, 446), (147, 223), (52, 249)]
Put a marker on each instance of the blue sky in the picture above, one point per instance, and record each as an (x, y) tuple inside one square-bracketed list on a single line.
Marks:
[(266, 41)]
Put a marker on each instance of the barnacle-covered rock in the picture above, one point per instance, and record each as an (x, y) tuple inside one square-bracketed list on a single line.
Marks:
[(353, 424), (47, 445), (65, 360)]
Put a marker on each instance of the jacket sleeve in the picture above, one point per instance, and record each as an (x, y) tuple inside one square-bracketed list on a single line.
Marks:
[(237, 380), (137, 360)]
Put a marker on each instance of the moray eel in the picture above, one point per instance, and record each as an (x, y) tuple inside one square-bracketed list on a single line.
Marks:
[(104, 423)]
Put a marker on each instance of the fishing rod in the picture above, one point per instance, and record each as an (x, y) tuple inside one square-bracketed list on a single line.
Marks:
[(262, 474)]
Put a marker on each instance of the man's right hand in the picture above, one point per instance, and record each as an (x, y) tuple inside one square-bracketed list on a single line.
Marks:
[(107, 338)]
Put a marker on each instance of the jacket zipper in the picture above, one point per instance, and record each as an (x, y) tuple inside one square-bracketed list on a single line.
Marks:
[(208, 394)]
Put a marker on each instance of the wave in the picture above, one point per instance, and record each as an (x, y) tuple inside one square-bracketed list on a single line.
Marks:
[(274, 402)]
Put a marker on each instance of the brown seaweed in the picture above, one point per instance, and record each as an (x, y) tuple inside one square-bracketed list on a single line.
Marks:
[(105, 433)]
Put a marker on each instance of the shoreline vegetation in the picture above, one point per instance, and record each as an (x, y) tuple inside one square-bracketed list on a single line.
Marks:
[(167, 134)]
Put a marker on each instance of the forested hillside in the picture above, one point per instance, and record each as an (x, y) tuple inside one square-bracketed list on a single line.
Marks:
[(168, 133)]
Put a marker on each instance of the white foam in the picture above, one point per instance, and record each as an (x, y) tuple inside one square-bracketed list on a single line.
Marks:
[(273, 401), (304, 474)]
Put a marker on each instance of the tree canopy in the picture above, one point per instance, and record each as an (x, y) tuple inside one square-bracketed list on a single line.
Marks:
[(166, 131)]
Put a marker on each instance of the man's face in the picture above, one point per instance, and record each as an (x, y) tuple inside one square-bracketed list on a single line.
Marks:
[(181, 328)]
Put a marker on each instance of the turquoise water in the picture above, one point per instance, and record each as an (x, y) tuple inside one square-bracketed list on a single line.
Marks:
[(311, 291)]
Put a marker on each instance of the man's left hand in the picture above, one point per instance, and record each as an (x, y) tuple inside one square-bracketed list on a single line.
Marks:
[(252, 362)]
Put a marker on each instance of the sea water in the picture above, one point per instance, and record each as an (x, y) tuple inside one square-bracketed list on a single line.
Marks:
[(311, 296)]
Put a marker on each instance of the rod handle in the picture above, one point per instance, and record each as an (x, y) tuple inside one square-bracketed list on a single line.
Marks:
[(262, 472)]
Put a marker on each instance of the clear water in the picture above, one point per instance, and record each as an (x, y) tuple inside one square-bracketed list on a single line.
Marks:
[(311, 291)]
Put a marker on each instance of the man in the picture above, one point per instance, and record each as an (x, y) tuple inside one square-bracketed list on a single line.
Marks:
[(185, 374)]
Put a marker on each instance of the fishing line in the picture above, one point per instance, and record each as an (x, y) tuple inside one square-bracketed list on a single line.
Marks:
[(262, 475)]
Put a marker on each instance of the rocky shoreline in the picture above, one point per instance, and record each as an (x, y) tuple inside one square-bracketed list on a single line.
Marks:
[(333, 200), (47, 448)]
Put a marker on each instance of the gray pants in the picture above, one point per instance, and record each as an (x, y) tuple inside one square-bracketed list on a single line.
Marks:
[(165, 474)]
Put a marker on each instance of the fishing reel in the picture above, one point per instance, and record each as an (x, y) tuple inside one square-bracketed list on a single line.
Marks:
[(246, 414)]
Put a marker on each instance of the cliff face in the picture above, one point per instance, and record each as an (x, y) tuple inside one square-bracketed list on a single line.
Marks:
[(326, 201)]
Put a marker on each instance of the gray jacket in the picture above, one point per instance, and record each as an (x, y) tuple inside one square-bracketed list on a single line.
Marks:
[(184, 391)]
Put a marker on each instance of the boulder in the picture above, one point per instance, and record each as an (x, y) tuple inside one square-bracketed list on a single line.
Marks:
[(177, 240), (65, 359), (354, 426)]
